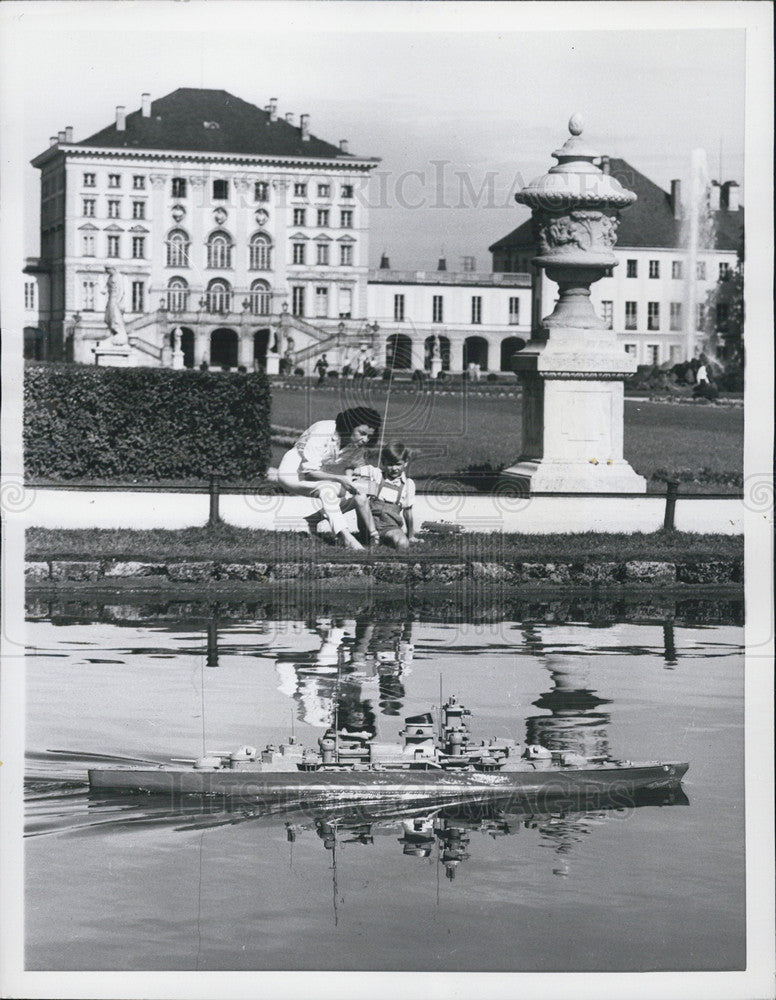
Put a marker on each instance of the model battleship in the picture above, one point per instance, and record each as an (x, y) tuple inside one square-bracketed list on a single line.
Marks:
[(353, 766)]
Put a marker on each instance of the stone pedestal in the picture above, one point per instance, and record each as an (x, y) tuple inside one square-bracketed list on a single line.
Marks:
[(110, 356), (436, 367), (273, 364), (573, 384)]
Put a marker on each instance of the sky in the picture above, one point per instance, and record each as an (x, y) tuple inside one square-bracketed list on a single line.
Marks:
[(449, 101)]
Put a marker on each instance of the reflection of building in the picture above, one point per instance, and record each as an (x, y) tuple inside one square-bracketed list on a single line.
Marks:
[(574, 724), (643, 299)]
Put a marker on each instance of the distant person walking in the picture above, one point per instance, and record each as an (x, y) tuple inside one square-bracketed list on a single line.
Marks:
[(321, 367)]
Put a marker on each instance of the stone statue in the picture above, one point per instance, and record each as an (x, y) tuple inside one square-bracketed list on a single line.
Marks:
[(114, 318), (177, 334), (434, 347)]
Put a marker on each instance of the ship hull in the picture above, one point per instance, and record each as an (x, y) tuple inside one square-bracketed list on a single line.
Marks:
[(619, 782)]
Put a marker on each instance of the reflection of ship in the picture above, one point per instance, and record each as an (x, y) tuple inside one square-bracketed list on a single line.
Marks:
[(352, 655), (352, 766)]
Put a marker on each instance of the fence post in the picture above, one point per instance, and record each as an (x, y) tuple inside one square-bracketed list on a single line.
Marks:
[(214, 518), (672, 489)]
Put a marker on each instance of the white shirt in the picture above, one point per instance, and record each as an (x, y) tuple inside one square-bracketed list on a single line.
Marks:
[(319, 445), (375, 475)]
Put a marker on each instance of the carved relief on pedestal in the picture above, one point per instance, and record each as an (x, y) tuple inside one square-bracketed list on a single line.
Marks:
[(576, 231)]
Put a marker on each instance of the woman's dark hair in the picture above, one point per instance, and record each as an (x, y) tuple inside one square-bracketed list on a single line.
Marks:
[(347, 421), (394, 452)]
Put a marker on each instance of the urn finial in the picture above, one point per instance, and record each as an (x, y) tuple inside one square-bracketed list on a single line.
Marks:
[(576, 124)]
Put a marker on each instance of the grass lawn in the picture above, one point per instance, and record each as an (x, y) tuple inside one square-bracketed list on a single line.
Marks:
[(457, 431), (228, 544)]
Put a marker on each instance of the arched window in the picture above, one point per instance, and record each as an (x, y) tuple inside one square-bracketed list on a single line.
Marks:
[(260, 299), (219, 296), (178, 249), (177, 295), (219, 249), (475, 351), (260, 252), (398, 351), (509, 347)]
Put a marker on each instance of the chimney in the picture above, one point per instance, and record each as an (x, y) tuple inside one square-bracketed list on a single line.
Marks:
[(53, 140), (290, 117), (606, 164), (121, 118), (730, 196), (385, 264), (714, 196), (68, 133), (343, 145), (676, 198), (442, 265), (145, 105), (273, 109), (304, 125), (61, 136)]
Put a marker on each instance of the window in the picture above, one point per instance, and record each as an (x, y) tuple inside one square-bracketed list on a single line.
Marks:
[(676, 269), (90, 180), (297, 300), (630, 316), (654, 269), (514, 310), (138, 209), (324, 190), (260, 252), (724, 270), (437, 309), (300, 190), (653, 315), (114, 180), (607, 313), (630, 349), (346, 254), (675, 317), (114, 209), (347, 190), (138, 247), (323, 253), (345, 305), (89, 204), (346, 218), (700, 270), (398, 307), (177, 249), (261, 191), (321, 300), (138, 296), (653, 354), (299, 216), (138, 182), (179, 187), (700, 316), (723, 315), (632, 269), (260, 299), (219, 250), (219, 296), (87, 241), (323, 217), (29, 294), (299, 253), (220, 190), (113, 246), (177, 295), (87, 295), (476, 308)]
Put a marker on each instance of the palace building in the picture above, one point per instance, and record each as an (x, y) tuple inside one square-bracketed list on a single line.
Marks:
[(238, 236), (645, 298)]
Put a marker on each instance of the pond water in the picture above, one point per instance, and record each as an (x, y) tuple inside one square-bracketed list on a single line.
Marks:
[(121, 883)]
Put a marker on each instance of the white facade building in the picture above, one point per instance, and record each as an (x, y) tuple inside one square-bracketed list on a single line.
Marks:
[(648, 297)]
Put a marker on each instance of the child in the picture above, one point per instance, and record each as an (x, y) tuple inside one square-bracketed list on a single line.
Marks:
[(391, 496)]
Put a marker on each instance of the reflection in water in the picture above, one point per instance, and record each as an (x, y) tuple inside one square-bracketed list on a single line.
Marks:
[(328, 683), (573, 724), (669, 648)]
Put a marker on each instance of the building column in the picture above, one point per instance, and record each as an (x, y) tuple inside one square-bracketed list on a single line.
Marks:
[(456, 352), (201, 346)]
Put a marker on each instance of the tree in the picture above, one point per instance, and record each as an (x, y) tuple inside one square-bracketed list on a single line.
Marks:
[(724, 324)]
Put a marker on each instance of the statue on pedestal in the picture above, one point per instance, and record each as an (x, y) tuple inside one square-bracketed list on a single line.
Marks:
[(114, 318)]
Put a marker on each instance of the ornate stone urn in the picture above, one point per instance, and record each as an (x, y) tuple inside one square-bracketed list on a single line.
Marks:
[(573, 370)]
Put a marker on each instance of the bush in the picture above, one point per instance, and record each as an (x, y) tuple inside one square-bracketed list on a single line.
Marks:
[(299, 372), (441, 376), (419, 375), (492, 377), (332, 375), (386, 376), (85, 422)]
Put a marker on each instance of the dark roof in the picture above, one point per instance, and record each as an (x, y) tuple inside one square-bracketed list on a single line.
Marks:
[(649, 222), (187, 118)]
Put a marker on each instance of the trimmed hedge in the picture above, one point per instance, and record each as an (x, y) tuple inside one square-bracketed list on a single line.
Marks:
[(146, 423)]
